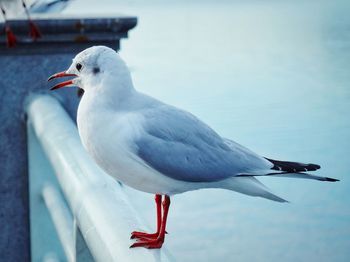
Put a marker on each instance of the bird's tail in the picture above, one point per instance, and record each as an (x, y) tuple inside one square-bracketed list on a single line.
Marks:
[(292, 167), (294, 170), (297, 175), (249, 185)]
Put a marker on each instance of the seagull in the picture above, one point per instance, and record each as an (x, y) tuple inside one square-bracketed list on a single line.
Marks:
[(11, 39), (158, 148), (38, 7), (48, 6), (16, 7)]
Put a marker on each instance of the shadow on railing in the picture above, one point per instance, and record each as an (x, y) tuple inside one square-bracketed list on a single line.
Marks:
[(77, 212)]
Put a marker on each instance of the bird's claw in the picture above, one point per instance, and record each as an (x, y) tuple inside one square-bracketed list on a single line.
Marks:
[(150, 243), (144, 235)]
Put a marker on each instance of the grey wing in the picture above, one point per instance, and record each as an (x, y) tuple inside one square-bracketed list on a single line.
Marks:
[(180, 146)]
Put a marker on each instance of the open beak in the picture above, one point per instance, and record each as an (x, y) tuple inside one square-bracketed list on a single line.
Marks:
[(65, 83)]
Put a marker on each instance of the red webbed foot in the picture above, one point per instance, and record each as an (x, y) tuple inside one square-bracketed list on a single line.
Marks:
[(154, 240), (143, 235), (150, 243)]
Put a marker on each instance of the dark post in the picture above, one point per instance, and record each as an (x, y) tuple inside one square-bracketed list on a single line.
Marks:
[(24, 70)]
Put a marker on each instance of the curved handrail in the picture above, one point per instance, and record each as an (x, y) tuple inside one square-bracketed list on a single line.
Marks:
[(97, 202)]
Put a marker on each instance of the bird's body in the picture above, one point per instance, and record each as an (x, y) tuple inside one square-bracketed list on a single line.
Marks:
[(15, 7), (116, 131), (48, 6), (111, 134), (158, 148), (110, 141)]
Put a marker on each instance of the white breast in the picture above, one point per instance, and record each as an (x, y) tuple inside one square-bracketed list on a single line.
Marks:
[(108, 137)]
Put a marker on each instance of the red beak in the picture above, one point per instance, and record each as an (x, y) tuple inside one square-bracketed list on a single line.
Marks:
[(65, 83)]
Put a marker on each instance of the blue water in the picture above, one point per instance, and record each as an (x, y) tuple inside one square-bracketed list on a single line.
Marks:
[(272, 76)]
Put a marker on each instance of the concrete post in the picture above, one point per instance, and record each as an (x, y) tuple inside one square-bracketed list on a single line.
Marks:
[(24, 70)]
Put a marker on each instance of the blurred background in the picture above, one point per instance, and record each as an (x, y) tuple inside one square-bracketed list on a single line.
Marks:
[(273, 76)]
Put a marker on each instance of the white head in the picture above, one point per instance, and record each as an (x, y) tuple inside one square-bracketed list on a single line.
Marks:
[(95, 69)]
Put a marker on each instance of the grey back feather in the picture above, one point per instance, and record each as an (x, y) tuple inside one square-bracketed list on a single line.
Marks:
[(180, 146)]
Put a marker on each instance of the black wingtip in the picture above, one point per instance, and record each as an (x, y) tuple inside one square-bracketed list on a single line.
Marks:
[(313, 167), (292, 167), (329, 179)]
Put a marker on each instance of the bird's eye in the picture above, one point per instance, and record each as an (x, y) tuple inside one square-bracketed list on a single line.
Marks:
[(78, 66), (96, 70)]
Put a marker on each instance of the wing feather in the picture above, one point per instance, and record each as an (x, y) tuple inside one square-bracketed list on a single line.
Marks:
[(180, 146)]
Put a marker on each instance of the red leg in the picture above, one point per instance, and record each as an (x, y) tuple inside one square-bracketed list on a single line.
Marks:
[(143, 235), (10, 36), (158, 242), (34, 30)]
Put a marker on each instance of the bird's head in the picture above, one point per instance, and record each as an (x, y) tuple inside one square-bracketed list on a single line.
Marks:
[(93, 68)]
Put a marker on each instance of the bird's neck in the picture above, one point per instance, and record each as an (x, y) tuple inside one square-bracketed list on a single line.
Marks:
[(112, 92), (118, 90)]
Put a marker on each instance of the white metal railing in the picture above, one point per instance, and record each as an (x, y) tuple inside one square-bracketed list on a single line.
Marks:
[(92, 200)]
